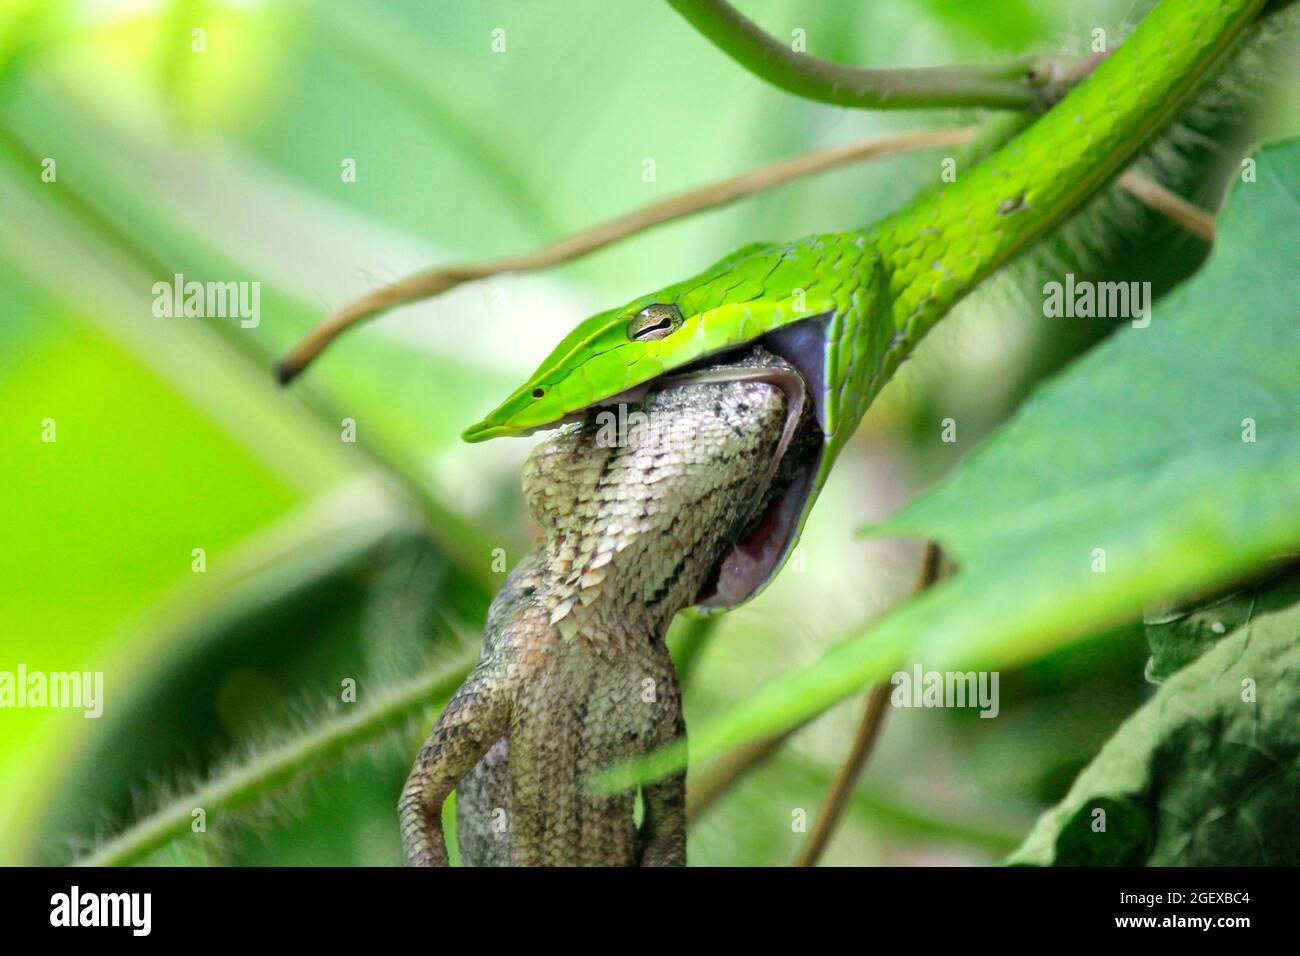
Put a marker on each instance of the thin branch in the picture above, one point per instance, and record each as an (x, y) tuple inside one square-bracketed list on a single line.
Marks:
[(838, 796), (289, 762), (422, 285), (1191, 217), (868, 732), (1031, 82)]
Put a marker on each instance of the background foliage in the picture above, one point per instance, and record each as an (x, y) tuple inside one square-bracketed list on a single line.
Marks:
[(320, 565)]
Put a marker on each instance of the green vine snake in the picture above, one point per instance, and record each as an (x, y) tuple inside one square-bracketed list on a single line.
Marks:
[(847, 307)]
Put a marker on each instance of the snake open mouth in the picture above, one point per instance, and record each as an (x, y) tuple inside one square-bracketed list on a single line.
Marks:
[(753, 560)]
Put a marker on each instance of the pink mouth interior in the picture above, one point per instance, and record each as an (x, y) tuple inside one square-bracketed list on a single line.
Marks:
[(752, 561)]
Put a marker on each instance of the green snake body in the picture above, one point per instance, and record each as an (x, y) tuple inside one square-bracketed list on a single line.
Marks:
[(878, 290)]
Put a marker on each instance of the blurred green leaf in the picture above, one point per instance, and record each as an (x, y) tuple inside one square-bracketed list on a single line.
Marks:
[(1206, 773), (389, 57), (226, 164), (1009, 25)]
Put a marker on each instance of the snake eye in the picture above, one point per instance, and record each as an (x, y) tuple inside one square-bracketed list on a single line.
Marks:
[(654, 322)]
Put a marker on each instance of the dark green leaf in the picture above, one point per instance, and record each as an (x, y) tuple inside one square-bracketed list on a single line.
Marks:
[(1206, 773)]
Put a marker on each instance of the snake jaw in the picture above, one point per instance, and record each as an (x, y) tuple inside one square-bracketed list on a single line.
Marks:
[(753, 561), (626, 397)]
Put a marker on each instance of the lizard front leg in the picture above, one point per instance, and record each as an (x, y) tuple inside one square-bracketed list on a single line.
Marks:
[(484, 807), (473, 719)]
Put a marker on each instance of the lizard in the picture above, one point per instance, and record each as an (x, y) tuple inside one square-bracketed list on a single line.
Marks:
[(574, 674), (847, 308)]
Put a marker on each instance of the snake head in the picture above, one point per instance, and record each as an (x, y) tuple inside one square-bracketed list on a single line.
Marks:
[(615, 356), (602, 361)]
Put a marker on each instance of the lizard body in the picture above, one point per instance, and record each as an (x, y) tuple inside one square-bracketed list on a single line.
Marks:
[(574, 668)]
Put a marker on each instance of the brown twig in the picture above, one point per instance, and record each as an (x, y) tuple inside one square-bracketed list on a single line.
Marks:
[(1191, 217), (868, 732), (837, 797), (422, 285)]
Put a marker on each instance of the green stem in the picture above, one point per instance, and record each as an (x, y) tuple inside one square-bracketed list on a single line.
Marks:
[(289, 762), (1026, 83), (686, 640)]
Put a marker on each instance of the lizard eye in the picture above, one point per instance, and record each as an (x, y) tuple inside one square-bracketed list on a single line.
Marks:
[(654, 322)]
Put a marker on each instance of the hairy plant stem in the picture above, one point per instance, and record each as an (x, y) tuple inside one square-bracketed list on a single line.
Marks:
[(245, 784)]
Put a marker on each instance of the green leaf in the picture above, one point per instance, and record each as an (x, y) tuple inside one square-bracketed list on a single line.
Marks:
[(1181, 632), (1180, 635), (1202, 771), (1137, 457)]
